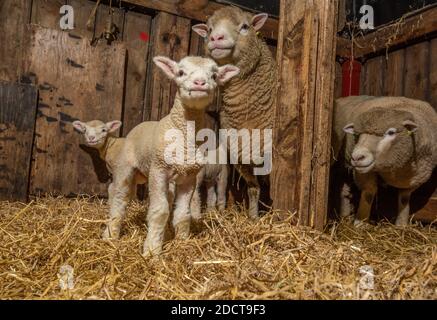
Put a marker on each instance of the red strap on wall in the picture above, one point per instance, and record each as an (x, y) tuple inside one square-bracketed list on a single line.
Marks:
[(351, 78)]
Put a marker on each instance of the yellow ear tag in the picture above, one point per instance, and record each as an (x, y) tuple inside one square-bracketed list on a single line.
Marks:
[(409, 132)]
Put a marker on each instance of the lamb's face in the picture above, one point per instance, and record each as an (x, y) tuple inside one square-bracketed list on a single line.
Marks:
[(196, 78), (95, 132), (384, 140), (228, 33)]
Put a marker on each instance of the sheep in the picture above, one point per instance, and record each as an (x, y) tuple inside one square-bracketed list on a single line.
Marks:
[(99, 135), (248, 100), (391, 138), (215, 177), (146, 150)]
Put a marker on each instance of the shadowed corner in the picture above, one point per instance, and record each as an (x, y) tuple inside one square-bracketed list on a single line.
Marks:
[(99, 164)]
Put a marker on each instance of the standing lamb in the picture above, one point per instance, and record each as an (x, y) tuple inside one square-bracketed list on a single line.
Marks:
[(248, 100), (147, 149), (393, 138), (99, 135)]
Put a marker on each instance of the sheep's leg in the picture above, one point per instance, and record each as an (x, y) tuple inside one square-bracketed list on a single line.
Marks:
[(369, 187), (158, 212), (222, 183), (346, 207), (253, 189), (403, 207), (196, 202), (133, 192), (110, 193), (171, 195), (181, 215), (211, 198), (119, 198)]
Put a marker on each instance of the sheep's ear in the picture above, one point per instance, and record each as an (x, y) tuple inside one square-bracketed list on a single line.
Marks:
[(226, 72), (411, 126), (167, 65), (258, 20), (113, 125), (349, 128), (79, 126), (201, 29)]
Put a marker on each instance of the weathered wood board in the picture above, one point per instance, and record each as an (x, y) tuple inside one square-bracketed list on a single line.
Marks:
[(306, 57), (416, 71), (171, 38), (14, 15), (76, 81), (45, 13), (136, 36), (394, 74), (17, 122)]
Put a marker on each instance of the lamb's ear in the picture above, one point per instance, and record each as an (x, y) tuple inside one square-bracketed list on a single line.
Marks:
[(113, 125), (349, 128), (201, 29), (226, 72), (167, 65), (411, 126), (258, 20), (79, 126)]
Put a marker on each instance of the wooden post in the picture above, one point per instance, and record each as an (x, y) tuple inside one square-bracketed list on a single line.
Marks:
[(302, 133)]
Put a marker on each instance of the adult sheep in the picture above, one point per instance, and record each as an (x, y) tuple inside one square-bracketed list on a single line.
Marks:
[(392, 138), (248, 100)]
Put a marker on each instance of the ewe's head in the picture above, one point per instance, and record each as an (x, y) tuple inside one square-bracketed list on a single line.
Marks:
[(385, 139), (230, 33), (96, 131), (196, 78)]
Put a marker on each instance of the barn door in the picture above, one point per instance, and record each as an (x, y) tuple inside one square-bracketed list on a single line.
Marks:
[(75, 81)]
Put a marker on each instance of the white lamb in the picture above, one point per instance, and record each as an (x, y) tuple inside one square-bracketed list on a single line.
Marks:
[(146, 148), (100, 135)]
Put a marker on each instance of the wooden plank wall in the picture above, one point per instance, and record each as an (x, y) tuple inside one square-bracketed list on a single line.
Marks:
[(17, 122), (410, 72), (143, 94)]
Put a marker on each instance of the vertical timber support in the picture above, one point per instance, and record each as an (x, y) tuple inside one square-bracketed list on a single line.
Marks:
[(303, 117)]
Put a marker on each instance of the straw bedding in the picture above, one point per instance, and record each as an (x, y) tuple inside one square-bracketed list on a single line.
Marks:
[(227, 257)]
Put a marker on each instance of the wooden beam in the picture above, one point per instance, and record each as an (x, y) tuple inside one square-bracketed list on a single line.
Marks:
[(413, 27), (198, 10), (302, 130)]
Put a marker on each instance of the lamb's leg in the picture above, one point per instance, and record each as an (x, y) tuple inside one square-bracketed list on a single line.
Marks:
[(181, 214), (369, 187), (211, 198), (222, 183), (196, 202), (253, 189), (403, 207), (158, 212), (133, 192), (171, 195), (110, 193), (119, 198), (346, 207)]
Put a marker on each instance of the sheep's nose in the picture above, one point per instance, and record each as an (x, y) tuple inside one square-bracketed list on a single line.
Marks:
[(200, 82), (91, 138), (217, 37), (358, 157)]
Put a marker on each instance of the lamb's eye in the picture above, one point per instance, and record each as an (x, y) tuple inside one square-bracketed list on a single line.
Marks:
[(390, 132), (210, 30), (181, 73), (245, 27), (214, 76), (104, 130)]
